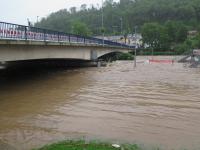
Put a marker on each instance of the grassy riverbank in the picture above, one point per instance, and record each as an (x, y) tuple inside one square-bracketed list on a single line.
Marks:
[(83, 145)]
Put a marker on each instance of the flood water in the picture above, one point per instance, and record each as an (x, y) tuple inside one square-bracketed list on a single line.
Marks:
[(154, 105)]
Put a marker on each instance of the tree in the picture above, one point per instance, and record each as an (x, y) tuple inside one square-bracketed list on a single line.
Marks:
[(176, 31), (73, 10), (83, 7), (171, 27), (181, 33), (155, 36), (80, 28), (196, 42)]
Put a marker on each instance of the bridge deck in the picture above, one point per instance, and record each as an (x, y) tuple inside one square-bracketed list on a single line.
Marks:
[(52, 43)]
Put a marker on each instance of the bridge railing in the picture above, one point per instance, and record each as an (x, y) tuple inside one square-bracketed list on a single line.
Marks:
[(20, 32)]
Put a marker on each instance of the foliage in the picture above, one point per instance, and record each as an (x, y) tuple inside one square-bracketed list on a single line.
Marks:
[(81, 145), (169, 36), (156, 53), (132, 13), (182, 48), (195, 42), (188, 45), (155, 36), (177, 31), (80, 28), (125, 56)]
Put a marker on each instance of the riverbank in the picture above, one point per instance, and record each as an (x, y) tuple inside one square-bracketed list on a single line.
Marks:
[(83, 145)]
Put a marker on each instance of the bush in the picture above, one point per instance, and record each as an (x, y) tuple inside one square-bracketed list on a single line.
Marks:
[(125, 56), (181, 48), (149, 52)]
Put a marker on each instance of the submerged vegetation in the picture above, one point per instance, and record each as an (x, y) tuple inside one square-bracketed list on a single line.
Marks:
[(83, 145), (125, 56)]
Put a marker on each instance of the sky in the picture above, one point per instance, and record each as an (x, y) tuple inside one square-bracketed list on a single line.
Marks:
[(17, 11)]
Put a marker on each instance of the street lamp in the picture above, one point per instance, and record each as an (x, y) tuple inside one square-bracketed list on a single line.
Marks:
[(102, 23), (37, 19), (29, 23), (121, 19), (135, 62)]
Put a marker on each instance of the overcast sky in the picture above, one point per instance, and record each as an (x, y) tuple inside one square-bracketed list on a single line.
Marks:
[(17, 11)]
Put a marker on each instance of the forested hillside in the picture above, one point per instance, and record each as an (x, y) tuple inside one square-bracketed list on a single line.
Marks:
[(132, 12), (164, 24)]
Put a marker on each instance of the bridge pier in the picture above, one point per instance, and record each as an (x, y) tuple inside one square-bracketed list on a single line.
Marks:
[(99, 63), (2, 65)]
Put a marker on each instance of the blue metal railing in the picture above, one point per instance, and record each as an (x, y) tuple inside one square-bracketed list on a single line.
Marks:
[(21, 32)]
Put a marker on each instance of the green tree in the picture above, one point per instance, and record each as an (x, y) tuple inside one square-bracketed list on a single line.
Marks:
[(155, 36), (196, 42), (177, 32), (171, 27), (73, 10), (181, 33), (83, 7), (80, 28)]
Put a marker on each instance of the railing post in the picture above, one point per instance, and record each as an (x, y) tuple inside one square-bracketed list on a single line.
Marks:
[(25, 34), (58, 37), (69, 38), (44, 35), (84, 40)]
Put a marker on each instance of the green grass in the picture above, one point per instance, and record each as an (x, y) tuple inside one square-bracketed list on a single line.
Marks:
[(83, 145), (155, 53)]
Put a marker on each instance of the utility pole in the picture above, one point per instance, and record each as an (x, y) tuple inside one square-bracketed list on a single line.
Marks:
[(37, 19), (102, 23), (152, 52), (29, 23), (135, 61), (121, 19)]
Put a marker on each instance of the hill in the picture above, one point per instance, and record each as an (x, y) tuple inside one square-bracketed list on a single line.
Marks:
[(130, 12)]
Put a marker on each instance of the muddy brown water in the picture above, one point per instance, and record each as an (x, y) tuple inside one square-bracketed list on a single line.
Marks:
[(154, 105)]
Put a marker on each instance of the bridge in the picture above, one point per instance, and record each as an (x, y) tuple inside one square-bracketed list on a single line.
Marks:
[(26, 43)]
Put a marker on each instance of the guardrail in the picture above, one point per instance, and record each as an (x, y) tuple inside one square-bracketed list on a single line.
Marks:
[(21, 32)]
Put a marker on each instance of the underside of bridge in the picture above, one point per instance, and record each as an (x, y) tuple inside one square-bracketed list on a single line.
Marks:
[(57, 63), (45, 63)]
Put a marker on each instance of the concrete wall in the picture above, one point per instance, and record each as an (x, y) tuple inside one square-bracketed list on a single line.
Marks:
[(31, 50)]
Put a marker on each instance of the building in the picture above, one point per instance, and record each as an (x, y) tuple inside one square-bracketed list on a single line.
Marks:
[(131, 39)]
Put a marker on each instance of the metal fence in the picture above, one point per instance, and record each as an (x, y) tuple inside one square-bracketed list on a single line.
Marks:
[(20, 32)]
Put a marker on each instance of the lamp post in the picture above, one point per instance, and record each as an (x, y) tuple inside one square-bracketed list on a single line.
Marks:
[(121, 21), (152, 51), (37, 19), (102, 23), (29, 23), (135, 61)]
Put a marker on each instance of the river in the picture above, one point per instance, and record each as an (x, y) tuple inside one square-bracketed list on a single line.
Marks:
[(157, 105)]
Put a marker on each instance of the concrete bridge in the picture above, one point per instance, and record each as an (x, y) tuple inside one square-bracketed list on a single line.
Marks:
[(24, 43)]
